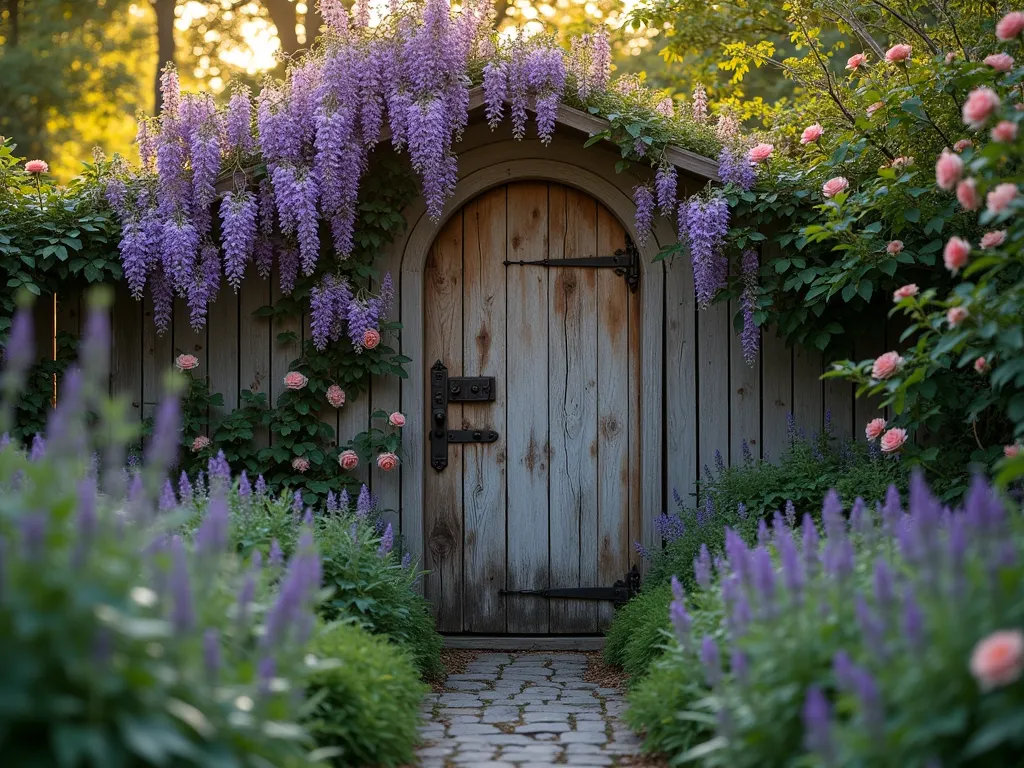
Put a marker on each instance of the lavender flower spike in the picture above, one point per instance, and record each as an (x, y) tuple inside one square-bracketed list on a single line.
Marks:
[(182, 616), (387, 541), (817, 717)]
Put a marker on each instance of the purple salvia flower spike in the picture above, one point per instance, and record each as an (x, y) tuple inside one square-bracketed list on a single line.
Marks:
[(332, 502), (211, 652), (184, 488), (702, 567), (182, 616), (261, 485), (387, 541), (711, 660), (38, 448), (817, 719), (406, 561), (276, 558), (363, 503), (168, 500)]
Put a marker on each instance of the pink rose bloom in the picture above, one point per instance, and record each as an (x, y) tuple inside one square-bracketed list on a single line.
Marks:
[(948, 169), (886, 365), (295, 380), (335, 395), (980, 105), (833, 187), (875, 107), (902, 162), (300, 463), (906, 292), (36, 167), (993, 239), (186, 362), (951, 57), (980, 365), (387, 462), (998, 659), (894, 247), (856, 61), (1010, 26), (396, 419), (899, 52), (874, 429), (371, 338), (893, 440), (200, 443), (811, 134), (956, 315), (348, 460), (967, 195), (1000, 62), (955, 254), (760, 153), (963, 144), (1011, 451), (999, 198), (1004, 132)]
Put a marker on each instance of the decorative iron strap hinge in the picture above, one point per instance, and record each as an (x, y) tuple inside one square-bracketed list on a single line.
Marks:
[(625, 262), (618, 593), (446, 389)]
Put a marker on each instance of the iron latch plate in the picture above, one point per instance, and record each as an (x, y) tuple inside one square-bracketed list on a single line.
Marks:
[(470, 388), (445, 389), (619, 593)]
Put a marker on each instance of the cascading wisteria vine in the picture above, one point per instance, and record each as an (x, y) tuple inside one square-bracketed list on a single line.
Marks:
[(643, 200), (703, 225), (750, 337)]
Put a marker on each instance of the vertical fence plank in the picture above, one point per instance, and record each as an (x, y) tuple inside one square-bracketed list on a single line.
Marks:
[(776, 393), (869, 344), (190, 341), (126, 350), (224, 350), (385, 395), (839, 406), (282, 353), (808, 394), (680, 380), (157, 357), (254, 334), (744, 396), (713, 332)]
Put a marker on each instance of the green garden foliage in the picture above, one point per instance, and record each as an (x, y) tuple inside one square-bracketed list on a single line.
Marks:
[(637, 635), (367, 700)]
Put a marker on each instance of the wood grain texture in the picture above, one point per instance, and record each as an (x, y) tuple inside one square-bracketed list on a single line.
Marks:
[(189, 341), (838, 402), (484, 481), (572, 408), (385, 395), (713, 334), (157, 358), (442, 491), (254, 345), (281, 352), (680, 380), (744, 396), (613, 397), (808, 393), (224, 345), (868, 344), (527, 425), (126, 350), (776, 394)]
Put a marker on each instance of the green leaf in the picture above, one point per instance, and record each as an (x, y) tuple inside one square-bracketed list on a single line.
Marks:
[(913, 215)]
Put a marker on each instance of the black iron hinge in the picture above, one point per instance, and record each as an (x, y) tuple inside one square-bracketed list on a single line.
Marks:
[(620, 592), (625, 262)]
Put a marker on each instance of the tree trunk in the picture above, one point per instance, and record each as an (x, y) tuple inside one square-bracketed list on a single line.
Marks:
[(164, 44), (283, 15), (12, 22)]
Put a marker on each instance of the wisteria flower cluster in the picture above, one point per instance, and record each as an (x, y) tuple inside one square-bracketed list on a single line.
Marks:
[(703, 225)]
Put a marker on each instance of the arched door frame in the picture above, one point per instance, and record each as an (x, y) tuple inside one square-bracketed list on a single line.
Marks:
[(408, 258)]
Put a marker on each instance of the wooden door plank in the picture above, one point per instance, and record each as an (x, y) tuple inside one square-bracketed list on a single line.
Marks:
[(636, 445), (483, 464), (126, 350), (744, 396), (528, 447), (224, 351), (572, 410), (189, 341), (713, 332), (680, 381), (254, 345), (442, 509), (385, 395), (808, 394), (613, 414), (777, 394)]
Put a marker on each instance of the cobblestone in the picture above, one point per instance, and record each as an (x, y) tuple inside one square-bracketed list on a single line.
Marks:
[(523, 710)]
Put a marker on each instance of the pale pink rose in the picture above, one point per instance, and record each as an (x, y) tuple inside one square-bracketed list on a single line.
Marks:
[(874, 107), (899, 52), (901, 162), (1000, 62), (396, 419), (1012, 451), (874, 429), (981, 365), (956, 315), (387, 461), (295, 380), (998, 659), (955, 254), (951, 57), (906, 292), (200, 443), (834, 186), (36, 167), (371, 338), (893, 440), (894, 247), (993, 239), (811, 134), (1004, 132), (335, 396), (760, 152), (999, 198), (967, 195), (980, 105), (948, 169), (186, 362), (300, 463), (963, 144), (857, 61), (348, 460), (1010, 26), (886, 365)]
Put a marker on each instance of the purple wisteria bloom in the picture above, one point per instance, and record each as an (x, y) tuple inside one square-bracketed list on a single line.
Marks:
[(238, 225), (703, 226), (750, 336), (735, 168), (665, 185), (643, 200)]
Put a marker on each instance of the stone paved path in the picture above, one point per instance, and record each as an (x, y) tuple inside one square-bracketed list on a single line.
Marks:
[(511, 709)]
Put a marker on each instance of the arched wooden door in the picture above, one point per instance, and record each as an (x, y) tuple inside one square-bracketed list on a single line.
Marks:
[(554, 501)]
